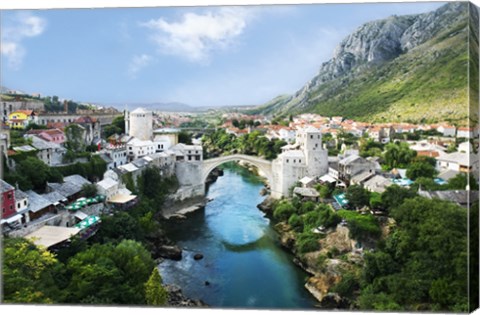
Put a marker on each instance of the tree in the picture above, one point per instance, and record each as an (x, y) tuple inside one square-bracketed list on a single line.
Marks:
[(460, 182), (74, 135), (420, 169), (28, 273), (395, 195), (107, 272), (155, 293), (357, 196), (398, 155), (423, 262), (89, 190), (185, 137), (35, 171)]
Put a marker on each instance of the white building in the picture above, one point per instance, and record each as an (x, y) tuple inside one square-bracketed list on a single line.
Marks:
[(165, 138), (49, 152), (140, 124), (114, 156), (306, 157), (137, 148), (184, 152), (447, 130)]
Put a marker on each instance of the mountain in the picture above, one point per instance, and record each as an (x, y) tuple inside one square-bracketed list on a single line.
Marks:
[(403, 68), (164, 107)]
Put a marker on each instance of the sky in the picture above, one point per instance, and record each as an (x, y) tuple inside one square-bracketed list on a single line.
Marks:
[(200, 56)]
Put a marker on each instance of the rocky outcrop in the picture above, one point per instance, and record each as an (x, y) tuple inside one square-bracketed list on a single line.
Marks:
[(167, 251), (266, 205), (372, 45), (177, 299)]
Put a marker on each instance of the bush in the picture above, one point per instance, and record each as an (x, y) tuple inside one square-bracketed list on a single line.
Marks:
[(361, 226), (307, 207), (283, 211), (296, 222), (307, 242), (347, 285)]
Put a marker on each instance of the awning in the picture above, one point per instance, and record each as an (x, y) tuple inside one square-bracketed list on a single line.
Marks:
[(327, 178), (120, 198), (80, 215), (11, 219), (50, 235), (89, 221)]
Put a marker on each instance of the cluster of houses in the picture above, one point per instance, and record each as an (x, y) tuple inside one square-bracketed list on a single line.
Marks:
[(350, 168), (380, 132)]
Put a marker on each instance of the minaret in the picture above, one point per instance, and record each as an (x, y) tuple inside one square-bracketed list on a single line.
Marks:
[(126, 117)]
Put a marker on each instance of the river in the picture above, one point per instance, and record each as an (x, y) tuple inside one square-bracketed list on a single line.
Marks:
[(243, 262)]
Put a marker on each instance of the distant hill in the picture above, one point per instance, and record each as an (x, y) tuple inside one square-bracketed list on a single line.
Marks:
[(165, 107), (403, 68)]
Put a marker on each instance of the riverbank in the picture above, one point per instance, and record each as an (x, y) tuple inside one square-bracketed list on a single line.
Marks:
[(337, 255)]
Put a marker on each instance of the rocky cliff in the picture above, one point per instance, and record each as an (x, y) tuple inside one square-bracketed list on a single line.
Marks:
[(383, 65)]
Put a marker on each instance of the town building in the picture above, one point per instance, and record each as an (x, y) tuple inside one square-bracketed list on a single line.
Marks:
[(8, 107), (137, 148), (20, 119), (71, 187), (165, 138), (8, 199), (184, 152), (50, 153), (306, 157), (354, 166), (114, 156), (54, 135), (139, 124)]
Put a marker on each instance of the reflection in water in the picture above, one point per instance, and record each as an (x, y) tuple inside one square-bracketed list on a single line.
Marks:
[(242, 259)]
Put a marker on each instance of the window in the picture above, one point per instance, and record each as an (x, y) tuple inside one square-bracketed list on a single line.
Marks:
[(299, 161), (294, 161), (19, 205), (311, 136), (287, 160)]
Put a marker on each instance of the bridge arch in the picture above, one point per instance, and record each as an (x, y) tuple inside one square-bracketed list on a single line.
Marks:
[(264, 166)]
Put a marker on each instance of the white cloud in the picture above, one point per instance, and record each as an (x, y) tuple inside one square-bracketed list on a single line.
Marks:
[(22, 25), (138, 63), (195, 36)]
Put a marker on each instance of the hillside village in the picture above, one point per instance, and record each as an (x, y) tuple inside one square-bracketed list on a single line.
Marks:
[(351, 160), (64, 172)]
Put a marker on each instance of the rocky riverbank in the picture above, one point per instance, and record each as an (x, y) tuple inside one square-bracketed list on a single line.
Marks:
[(177, 299), (337, 255)]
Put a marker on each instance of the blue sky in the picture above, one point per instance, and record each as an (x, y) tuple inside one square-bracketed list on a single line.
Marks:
[(201, 56)]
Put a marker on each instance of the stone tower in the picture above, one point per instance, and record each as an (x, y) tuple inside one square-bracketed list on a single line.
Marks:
[(126, 117), (316, 156), (141, 124)]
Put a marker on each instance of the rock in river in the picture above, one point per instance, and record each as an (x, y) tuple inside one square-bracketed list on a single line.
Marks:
[(169, 252), (198, 256)]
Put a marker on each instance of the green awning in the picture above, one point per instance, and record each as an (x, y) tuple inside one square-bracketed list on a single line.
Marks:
[(88, 221)]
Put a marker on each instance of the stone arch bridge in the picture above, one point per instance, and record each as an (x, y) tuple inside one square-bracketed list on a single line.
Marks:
[(264, 166)]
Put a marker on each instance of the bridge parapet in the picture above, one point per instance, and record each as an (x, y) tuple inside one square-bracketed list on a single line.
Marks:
[(263, 165)]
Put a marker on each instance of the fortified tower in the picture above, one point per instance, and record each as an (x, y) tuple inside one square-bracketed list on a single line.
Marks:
[(141, 124), (306, 157), (316, 156)]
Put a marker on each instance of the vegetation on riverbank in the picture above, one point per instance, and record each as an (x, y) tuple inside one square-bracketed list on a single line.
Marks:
[(113, 267), (416, 259)]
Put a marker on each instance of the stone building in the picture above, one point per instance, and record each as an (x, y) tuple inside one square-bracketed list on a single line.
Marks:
[(306, 157), (139, 124)]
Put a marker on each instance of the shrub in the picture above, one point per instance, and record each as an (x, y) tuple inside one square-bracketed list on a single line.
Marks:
[(307, 242), (283, 211), (296, 222)]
